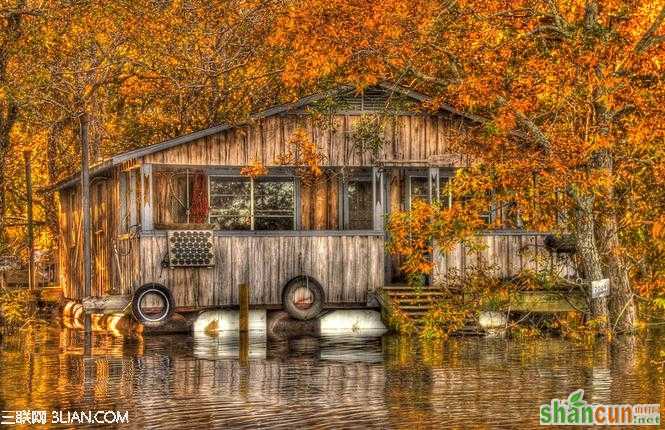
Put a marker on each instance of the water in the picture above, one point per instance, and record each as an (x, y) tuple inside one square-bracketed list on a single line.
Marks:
[(348, 382)]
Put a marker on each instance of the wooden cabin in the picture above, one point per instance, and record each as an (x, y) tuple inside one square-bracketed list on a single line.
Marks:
[(268, 229)]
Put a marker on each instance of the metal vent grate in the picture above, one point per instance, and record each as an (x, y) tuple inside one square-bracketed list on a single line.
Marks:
[(191, 248), (371, 100)]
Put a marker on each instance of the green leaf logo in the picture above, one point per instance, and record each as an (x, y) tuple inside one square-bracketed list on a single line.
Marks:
[(575, 399)]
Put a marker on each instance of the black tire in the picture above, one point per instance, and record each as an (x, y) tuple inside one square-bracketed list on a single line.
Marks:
[(148, 319), (288, 298)]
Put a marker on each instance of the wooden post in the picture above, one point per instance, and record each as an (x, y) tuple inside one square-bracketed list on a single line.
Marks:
[(433, 184), (87, 334), (31, 235), (146, 197), (244, 325), (132, 208), (377, 198), (244, 308), (85, 207)]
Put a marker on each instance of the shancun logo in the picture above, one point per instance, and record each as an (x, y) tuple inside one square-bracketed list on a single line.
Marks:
[(576, 411)]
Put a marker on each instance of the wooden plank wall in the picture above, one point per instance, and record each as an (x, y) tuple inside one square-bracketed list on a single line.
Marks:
[(105, 223), (166, 209), (128, 267), (408, 137), (103, 195), (348, 267), (504, 254), (319, 205)]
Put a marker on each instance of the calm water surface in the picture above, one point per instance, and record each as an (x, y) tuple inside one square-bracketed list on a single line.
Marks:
[(168, 382)]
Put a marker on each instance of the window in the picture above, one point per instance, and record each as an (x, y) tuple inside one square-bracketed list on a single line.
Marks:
[(418, 189), (230, 203), (446, 192), (274, 204), (359, 209), (238, 203)]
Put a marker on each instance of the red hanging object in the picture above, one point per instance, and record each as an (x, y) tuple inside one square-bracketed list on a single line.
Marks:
[(199, 210)]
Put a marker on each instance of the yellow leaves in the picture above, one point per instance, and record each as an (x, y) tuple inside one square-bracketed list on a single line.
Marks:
[(254, 170), (658, 228), (304, 155)]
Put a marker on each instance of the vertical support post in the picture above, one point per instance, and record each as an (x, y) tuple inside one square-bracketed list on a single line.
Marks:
[(31, 236), (87, 334), (146, 197), (434, 185), (378, 197), (188, 205), (133, 211), (244, 308), (251, 203), (434, 182), (122, 198), (85, 207), (243, 325)]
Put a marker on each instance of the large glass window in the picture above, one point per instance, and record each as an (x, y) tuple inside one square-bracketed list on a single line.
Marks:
[(238, 203), (359, 214), (230, 203)]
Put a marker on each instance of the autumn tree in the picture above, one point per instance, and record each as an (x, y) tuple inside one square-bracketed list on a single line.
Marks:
[(13, 21), (571, 93), (138, 73)]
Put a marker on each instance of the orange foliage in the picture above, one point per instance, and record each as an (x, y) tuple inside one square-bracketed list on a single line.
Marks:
[(304, 155), (572, 92), (413, 233), (254, 170)]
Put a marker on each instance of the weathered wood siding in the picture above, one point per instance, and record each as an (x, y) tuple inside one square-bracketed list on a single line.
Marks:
[(319, 205), (505, 254), (408, 137), (347, 266), (103, 198)]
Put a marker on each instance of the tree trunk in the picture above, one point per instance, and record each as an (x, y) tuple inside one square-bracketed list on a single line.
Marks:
[(587, 249), (3, 180), (11, 31), (50, 207), (621, 303)]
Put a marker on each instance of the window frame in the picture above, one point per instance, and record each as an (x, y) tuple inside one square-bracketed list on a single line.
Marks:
[(441, 175), (344, 195), (252, 185)]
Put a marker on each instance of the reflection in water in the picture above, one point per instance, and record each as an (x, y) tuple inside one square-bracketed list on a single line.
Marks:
[(328, 382)]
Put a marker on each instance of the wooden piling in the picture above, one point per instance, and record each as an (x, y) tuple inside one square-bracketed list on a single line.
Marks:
[(243, 325), (85, 207), (244, 308), (31, 236)]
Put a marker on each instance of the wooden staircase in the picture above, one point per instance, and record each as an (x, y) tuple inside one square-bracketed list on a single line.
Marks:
[(416, 302)]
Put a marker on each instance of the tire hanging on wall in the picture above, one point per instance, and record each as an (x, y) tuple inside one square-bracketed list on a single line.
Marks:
[(151, 320), (297, 287)]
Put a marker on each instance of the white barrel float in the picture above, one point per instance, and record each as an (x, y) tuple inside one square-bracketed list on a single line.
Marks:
[(352, 322), (217, 321)]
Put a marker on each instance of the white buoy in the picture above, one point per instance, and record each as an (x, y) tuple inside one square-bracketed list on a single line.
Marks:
[(228, 320), (352, 322)]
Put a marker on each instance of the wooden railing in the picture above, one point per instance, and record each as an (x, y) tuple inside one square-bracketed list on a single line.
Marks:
[(505, 253)]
